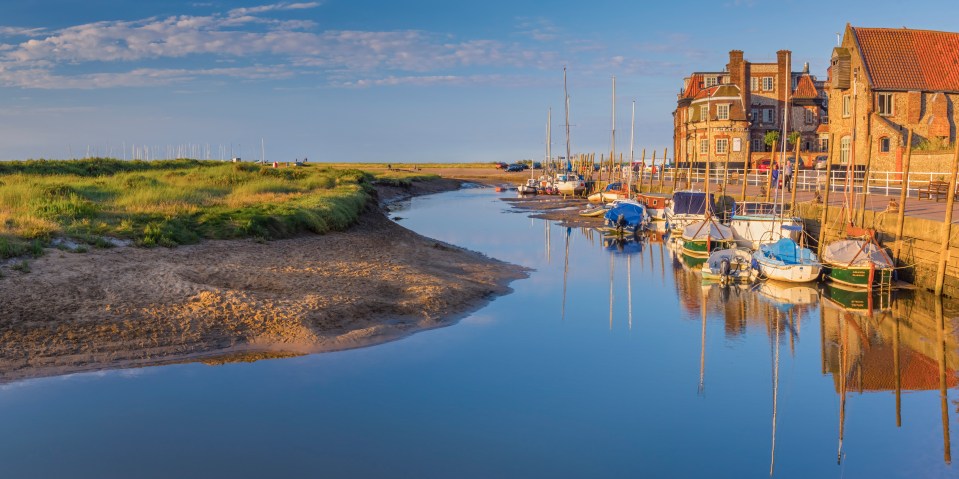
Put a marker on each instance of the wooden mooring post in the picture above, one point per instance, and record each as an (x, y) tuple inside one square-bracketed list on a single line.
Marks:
[(947, 224), (662, 170), (901, 216), (825, 200)]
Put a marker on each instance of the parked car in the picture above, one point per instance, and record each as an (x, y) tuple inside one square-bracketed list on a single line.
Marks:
[(515, 167), (820, 162), (537, 165), (500, 165), (763, 165)]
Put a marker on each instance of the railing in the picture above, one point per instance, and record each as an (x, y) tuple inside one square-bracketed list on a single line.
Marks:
[(887, 183)]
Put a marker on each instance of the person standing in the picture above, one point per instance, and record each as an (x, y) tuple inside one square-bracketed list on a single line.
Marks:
[(788, 175)]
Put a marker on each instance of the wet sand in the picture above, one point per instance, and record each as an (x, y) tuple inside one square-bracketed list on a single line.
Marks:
[(222, 301)]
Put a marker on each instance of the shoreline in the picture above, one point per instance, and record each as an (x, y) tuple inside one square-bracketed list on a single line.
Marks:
[(241, 300)]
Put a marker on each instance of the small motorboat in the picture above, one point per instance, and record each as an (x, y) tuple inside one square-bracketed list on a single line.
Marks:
[(625, 216), (612, 192), (858, 263), (731, 265), (594, 211), (530, 188)]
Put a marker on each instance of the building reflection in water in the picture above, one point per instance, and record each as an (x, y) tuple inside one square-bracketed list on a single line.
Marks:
[(905, 341)]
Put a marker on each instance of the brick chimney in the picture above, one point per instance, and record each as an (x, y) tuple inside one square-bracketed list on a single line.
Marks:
[(739, 76), (784, 73)]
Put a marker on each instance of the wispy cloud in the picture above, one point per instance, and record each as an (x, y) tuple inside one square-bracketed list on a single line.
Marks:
[(261, 46)]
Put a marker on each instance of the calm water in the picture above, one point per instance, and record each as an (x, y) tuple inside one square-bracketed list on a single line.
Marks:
[(627, 376)]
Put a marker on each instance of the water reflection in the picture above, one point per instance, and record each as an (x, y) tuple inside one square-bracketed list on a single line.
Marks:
[(875, 342)]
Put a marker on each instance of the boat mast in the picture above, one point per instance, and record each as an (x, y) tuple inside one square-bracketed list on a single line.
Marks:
[(566, 96), (612, 159), (632, 132), (549, 139)]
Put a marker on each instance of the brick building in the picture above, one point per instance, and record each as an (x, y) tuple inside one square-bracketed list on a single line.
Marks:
[(745, 101), (886, 81)]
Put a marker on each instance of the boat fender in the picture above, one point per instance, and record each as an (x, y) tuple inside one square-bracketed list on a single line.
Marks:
[(755, 264)]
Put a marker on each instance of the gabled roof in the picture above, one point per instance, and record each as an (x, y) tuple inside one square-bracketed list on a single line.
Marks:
[(694, 87), (718, 91), (903, 59), (805, 88)]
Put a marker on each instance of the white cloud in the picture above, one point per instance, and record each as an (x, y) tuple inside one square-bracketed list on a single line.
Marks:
[(70, 57)]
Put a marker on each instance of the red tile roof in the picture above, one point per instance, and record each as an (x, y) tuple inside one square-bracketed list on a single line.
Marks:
[(903, 59), (694, 86), (805, 89)]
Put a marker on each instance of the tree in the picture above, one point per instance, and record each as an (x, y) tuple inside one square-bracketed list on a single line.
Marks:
[(771, 138), (794, 137)]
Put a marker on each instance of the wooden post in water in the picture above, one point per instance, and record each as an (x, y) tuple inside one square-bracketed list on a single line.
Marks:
[(769, 172), (662, 170), (947, 224), (746, 167), (642, 166), (865, 182), (901, 217), (825, 201), (725, 172), (795, 179)]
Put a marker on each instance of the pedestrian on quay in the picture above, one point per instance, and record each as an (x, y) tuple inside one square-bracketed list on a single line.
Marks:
[(775, 174), (788, 176)]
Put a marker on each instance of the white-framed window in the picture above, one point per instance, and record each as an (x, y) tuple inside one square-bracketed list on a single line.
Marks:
[(824, 118), (757, 144), (722, 146), (809, 117), (703, 112), (846, 106), (824, 144), (769, 115), (884, 144), (844, 150), (754, 83), (884, 104), (767, 83), (704, 147), (710, 81), (722, 112)]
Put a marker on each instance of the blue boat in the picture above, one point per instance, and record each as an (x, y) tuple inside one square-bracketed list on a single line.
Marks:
[(626, 216)]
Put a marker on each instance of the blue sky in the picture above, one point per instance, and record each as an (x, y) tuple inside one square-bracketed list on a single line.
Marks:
[(390, 81)]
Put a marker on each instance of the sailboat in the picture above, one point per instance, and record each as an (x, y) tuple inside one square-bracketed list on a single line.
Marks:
[(569, 183), (778, 255), (532, 185), (703, 237), (786, 260), (857, 261)]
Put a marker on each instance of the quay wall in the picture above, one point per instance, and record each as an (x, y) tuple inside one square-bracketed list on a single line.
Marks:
[(921, 243)]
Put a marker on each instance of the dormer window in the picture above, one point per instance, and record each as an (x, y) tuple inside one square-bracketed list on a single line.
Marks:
[(722, 112), (710, 81)]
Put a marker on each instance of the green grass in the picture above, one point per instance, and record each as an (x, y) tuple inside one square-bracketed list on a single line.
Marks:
[(175, 202)]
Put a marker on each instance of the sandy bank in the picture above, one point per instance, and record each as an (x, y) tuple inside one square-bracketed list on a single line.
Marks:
[(238, 300)]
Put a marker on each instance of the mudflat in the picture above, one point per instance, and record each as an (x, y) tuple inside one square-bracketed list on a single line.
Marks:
[(239, 299)]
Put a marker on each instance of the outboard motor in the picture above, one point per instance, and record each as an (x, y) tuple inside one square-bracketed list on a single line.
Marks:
[(724, 267), (621, 221)]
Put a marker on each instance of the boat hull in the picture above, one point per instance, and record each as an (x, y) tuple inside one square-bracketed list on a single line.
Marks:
[(700, 248), (858, 277), (793, 273)]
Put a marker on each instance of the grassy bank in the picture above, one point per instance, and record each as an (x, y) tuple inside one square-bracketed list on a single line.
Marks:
[(168, 203)]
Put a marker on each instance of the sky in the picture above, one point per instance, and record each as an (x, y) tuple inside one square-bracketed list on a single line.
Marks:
[(383, 81)]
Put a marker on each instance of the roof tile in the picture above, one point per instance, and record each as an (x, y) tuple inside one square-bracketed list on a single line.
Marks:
[(903, 59)]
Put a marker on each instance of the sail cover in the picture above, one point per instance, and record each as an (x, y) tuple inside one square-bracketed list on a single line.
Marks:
[(690, 202), (787, 251), (857, 252), (699, 231)]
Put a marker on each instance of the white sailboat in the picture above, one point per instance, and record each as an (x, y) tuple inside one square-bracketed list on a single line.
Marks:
[(569, 183)]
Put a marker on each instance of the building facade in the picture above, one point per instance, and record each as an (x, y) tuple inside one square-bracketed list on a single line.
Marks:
[(884, 82), (760, 92)]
